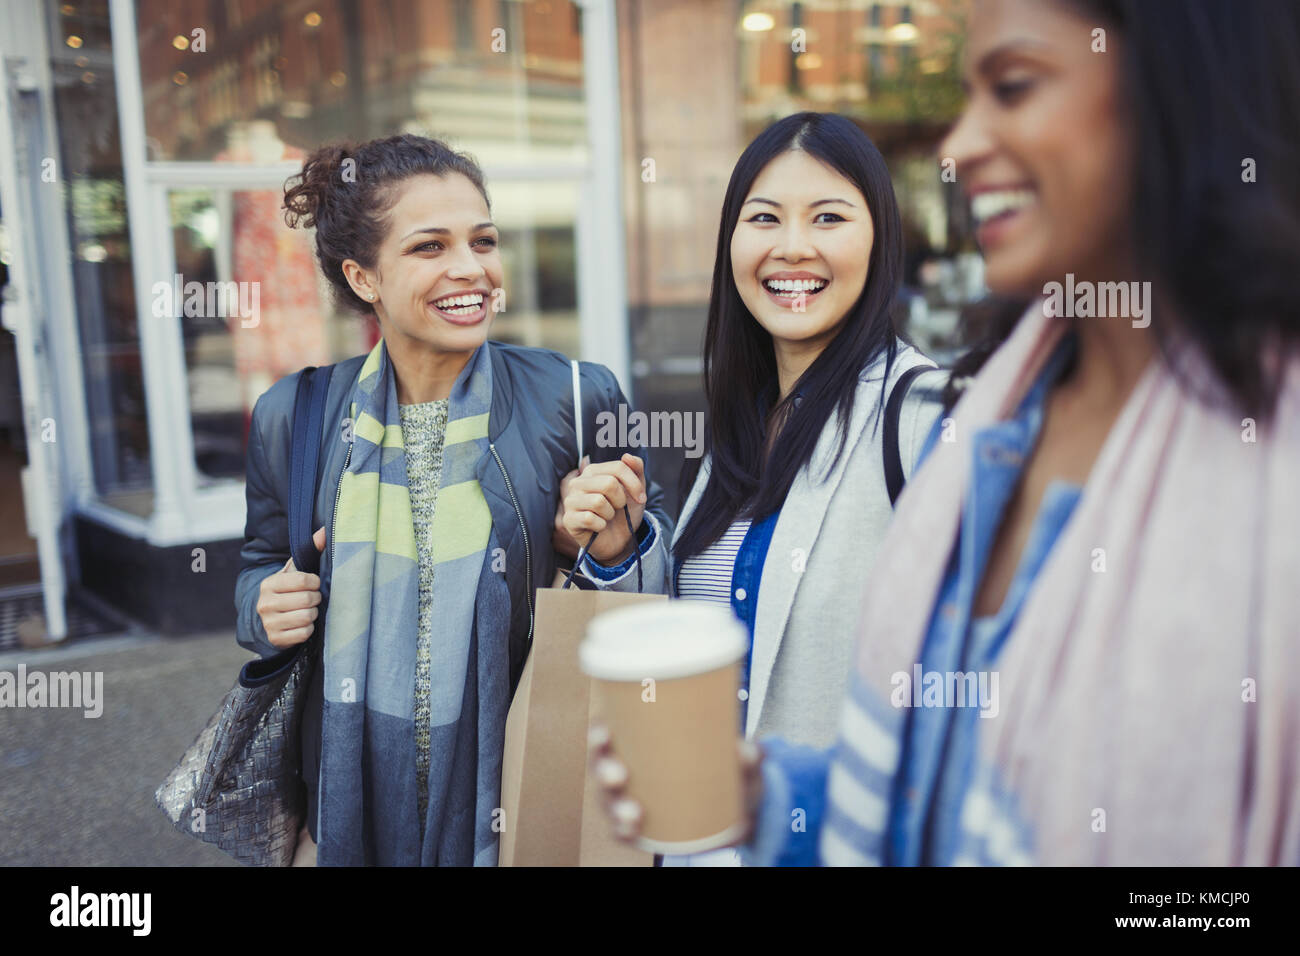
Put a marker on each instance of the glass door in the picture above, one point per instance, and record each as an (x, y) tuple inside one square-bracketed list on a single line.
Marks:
[(29, 463)]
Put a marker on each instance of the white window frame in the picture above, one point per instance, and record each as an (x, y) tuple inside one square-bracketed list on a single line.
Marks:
[(184, 512)]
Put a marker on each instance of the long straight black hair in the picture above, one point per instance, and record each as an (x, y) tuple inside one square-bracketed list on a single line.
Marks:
[(1215, 94), (740, 374)]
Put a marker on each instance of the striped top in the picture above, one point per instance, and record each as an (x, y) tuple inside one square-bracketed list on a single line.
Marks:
[(707, 576)]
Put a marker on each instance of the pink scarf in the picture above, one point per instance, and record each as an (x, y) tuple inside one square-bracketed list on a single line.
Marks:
[(1163, 691)]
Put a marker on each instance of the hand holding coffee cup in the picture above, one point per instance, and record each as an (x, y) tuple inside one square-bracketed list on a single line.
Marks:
[(625, 813), (665, 683)]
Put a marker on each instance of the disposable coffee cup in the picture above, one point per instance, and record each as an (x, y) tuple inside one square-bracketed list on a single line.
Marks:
[(665, 680)]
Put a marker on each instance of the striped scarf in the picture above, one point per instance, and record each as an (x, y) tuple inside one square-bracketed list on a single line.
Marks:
[(368, 785), (1129, 731)]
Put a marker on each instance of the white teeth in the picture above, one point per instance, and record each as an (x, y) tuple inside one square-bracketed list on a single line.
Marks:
[(452, 303), (989, 205), (795, 285)]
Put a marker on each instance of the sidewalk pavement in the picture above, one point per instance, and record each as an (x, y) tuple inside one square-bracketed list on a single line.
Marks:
[(77, 790)]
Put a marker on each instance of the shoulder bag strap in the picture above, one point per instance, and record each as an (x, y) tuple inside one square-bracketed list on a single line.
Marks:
[(308, 418), (893, 408)]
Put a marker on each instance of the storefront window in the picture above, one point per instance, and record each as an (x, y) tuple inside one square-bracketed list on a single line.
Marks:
[(502, 78), (252, 309), (90, 174), (538, 237)]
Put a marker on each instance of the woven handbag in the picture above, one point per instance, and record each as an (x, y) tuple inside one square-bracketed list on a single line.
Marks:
[(239, 785)]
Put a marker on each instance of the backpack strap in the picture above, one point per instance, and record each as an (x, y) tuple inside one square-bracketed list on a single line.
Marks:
[(889, 445), (308, 419)]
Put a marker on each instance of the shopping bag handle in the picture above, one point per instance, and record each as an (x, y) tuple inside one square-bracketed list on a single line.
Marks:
[(582, 553), (577, 428)]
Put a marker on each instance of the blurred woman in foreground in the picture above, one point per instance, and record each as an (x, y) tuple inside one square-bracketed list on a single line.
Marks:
[(1079, 643)]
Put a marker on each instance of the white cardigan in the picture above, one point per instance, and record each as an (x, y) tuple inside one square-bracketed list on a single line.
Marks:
[(821, 551)]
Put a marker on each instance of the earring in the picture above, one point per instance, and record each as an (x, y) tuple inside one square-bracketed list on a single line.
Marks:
[(372, 297)]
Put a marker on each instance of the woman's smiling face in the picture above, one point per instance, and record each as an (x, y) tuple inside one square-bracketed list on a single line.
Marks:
[(800, 250), (437, 267), (1041, 146)]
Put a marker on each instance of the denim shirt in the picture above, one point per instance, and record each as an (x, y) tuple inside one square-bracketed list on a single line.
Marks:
[(746, 577), (938, 746)]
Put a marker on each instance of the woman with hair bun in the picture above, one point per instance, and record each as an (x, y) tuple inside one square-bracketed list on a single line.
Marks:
[(442, 455)]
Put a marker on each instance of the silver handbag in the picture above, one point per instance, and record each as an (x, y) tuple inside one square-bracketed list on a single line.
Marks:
[(239, 785)]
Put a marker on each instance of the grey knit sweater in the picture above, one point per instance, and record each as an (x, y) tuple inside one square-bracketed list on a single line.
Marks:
[(423, 429)]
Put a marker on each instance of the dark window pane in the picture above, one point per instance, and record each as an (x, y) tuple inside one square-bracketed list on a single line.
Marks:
[(90, 167)]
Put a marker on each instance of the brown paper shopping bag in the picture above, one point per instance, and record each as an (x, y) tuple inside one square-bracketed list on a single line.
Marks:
[(552, 814), (551, 811)]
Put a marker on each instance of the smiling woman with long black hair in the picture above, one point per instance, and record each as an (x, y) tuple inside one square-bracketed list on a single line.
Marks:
[(801, 357)]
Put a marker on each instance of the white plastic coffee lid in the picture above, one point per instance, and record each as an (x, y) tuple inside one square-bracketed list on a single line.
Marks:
[(662, 640)]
